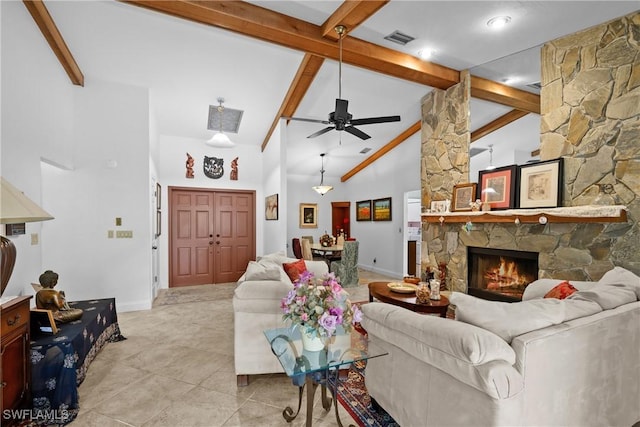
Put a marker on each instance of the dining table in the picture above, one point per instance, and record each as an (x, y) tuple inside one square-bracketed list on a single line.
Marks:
[(329, 253)]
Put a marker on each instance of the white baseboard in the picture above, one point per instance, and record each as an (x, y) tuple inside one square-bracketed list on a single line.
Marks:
[(132, 306), (380, 270)]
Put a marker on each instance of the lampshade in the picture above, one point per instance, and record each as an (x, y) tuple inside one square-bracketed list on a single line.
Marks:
[(220, 140), (15, 208)]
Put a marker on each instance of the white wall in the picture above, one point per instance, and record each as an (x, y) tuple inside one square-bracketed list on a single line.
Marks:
[(275, 182), (391, 176)]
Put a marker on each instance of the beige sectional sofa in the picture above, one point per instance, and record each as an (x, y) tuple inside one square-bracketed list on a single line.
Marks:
[(539, 362), (256, 307)]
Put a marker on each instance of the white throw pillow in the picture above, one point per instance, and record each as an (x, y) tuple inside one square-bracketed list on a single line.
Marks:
[(619, 276), (262, 271), (508, 320)]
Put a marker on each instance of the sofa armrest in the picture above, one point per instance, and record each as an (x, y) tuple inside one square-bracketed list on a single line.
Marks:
[(470, 354)]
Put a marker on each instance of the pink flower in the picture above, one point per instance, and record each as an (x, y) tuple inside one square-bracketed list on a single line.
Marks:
[(328, 322), (357, 314)]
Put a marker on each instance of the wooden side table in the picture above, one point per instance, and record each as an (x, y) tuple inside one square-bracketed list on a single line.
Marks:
[(15, 372), (381, 292)]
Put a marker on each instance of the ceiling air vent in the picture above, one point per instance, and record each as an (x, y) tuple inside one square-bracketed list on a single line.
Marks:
[(365, 150), (536, 85), (399, 37), (230, 119)]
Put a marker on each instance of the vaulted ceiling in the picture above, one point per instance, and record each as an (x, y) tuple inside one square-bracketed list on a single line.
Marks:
[(276, 59)]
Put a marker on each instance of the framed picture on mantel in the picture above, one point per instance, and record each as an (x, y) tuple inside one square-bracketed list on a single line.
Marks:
[(498, 187), (540, 184)]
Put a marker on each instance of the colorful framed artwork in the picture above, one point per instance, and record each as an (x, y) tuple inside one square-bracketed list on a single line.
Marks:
[(308, 215), (363, 210), (540, 184), (271, 207), (381, 209), (463, 196), (498, 187)]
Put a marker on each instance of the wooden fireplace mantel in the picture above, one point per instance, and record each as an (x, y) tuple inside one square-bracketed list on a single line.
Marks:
[(571, 214)]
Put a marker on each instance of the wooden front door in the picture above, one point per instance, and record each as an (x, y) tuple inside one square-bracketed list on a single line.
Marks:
[(211, 234)]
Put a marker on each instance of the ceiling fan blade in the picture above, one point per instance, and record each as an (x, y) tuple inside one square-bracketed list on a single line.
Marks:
[(300, 119), (342, 106), (373, 120), (357, 132), (321, 132)]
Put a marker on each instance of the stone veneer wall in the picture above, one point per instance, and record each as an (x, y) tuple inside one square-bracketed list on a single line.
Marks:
[(590, 103)]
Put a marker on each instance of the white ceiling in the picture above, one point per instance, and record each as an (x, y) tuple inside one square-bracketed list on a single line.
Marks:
[(187, 66)]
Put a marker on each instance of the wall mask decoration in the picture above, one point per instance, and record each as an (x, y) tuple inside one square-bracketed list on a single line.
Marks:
[(189, 166), (234, 169), (213, 167)]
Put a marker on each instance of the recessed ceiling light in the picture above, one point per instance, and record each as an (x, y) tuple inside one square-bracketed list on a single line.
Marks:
[(498, 22), (426, 53)]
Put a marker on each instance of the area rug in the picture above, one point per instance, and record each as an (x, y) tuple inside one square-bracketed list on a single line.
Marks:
[(196, 293), (353, 396)]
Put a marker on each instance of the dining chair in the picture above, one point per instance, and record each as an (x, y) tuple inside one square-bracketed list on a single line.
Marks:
[(309, 238), (296, 247), (347, 268), (306, 249)]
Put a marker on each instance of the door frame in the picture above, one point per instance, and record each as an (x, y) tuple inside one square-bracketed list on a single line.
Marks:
[(171, 231)]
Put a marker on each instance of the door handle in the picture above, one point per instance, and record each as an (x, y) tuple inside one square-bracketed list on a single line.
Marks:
[(218, 242), (211, 242)]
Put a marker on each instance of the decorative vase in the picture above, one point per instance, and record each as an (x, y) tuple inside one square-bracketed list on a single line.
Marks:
[(310, 340)]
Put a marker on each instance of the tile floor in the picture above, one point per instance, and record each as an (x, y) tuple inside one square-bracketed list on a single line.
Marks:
[(176, 369)]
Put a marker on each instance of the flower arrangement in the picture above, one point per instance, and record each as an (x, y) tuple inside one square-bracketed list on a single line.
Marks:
[(326, 240), (319, 305)]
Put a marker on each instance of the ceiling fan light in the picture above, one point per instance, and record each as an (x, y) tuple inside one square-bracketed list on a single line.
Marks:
[(220, 140)]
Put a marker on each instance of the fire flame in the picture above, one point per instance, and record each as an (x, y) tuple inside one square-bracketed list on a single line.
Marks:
[(505, 275)]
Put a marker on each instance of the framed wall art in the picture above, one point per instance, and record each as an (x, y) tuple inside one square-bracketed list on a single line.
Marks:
[(271, 207), (438, 206), (382, 209), (158, 223), (463, 196), (308, 215), (363, 210), (540, 184), (498, 187), (158, 196)]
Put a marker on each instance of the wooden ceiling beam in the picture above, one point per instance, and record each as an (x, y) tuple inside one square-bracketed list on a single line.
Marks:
[(351, 13), (270, 26), (50, 31), (496, 124), (416, 127), (307, 71), (505, 95)]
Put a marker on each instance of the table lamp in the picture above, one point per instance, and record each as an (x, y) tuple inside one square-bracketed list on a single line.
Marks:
[(15, 208)]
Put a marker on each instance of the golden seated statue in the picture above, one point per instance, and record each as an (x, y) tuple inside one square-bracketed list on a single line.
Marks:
[(49, 299)]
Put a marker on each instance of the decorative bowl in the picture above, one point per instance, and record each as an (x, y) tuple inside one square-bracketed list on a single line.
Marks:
[(411, 279)]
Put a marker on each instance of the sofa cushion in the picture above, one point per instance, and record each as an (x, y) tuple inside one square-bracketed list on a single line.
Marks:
[(262, 271), (507, 320), (606, 296), (538, 288), (619, 276), (561, 291), (294, 269), (276, 257)]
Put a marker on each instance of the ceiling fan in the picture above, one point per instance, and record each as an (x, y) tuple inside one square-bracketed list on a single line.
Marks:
[(340, 119)]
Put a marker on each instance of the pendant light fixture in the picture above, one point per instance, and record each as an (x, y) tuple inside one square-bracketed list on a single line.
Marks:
[(220, 139), (322, 189), (490, 167)]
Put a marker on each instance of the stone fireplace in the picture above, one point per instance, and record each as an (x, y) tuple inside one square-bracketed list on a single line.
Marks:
[(590, 110), (500, 275)]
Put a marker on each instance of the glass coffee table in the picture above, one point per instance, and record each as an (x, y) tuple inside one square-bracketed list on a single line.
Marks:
[(315, 368)]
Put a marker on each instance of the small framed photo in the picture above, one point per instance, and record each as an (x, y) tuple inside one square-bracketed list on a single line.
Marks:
[(382, 209), (363, 210), (271, 207), (42, 321), (158, 196), (439, 206), (158, 223), (308, 215), (498, 187), (540, 184), (463, 196)]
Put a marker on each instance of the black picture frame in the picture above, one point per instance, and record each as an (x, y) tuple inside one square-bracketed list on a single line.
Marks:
[(363, 210), (498, 187), (381, 209), (541, 184)]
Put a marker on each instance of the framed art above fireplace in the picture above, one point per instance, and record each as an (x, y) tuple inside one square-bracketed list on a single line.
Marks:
[(498, 187)]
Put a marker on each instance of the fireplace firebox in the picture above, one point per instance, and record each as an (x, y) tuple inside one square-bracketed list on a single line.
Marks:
[(500, 274)]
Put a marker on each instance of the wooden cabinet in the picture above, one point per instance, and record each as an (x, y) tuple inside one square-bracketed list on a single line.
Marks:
[(411, 257), (15, 372)]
